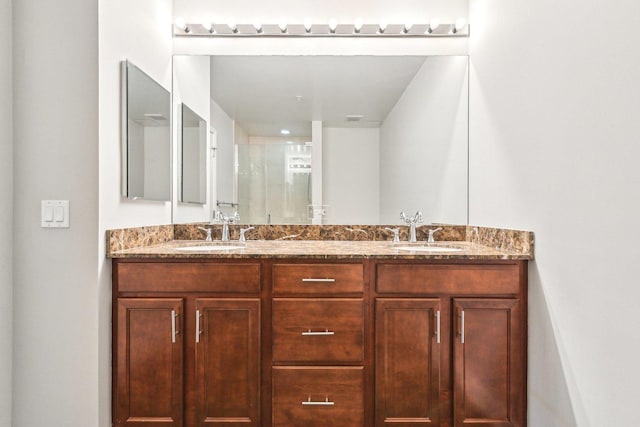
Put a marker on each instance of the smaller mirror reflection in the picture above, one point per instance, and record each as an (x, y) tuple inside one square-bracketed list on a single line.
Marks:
[(193, 157)]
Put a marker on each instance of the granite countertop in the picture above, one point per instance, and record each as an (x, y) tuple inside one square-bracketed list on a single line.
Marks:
[(318, 249)]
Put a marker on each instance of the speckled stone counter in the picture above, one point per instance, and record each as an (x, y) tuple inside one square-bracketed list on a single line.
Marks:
[(320, 241), (318, 249)]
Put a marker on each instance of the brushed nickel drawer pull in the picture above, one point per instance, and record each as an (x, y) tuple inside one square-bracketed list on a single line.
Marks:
[(174, 330), (198, 330), (462, 327), (438, 326), (326, 402), (311, 279), (311, 333)]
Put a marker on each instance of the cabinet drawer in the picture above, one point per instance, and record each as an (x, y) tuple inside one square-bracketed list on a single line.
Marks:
[(310, 397), (443, 279), (318, 330), (187, 277), (309, 279)]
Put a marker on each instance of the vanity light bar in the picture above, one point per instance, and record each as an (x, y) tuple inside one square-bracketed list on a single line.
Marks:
[(433, 28)]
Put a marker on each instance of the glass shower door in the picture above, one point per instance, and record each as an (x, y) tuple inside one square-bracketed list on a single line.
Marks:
[(274, 183)]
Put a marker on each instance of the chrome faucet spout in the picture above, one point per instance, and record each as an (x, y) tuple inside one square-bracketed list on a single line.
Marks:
[(226, 220), (411, 222)]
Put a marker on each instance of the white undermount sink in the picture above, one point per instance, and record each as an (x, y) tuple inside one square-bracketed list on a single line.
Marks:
[(212, 247), (427, 248)]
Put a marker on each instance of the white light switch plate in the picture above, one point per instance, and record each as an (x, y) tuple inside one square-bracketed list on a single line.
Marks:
[(55, 214)]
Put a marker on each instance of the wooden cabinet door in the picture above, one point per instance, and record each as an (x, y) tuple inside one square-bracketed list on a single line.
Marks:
[(227, 362), (489, 377), (407, 367), (149, 362)]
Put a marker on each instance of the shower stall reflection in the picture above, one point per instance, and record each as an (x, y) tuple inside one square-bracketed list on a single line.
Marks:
[(274, 180)]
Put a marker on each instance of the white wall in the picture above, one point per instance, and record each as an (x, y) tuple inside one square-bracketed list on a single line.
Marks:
[(6, 211), (137, 31), (55, 344), (350, 179), (554, 149), (430, 122), (190, 85), (224, 127)]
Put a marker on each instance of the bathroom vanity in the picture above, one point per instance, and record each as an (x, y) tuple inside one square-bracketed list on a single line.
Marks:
[(319, 334)]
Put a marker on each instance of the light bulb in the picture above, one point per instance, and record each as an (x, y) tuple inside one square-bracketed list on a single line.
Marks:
[(407, 27), (283, 25), (258, 26), (357, 25), (460, 24), (231, 23), (208, 26), (333, 24), (433, 25), (382, 26), (307, 24), (182, 25)]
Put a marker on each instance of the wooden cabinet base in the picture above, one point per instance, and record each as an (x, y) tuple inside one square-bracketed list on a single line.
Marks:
[(303, 342)]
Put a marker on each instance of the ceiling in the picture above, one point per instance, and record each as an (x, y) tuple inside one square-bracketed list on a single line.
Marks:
[(267, 93)]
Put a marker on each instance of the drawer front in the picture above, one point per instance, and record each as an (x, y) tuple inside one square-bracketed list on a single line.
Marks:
[(188, 277), (309, 279), (443, 279), (318, 330), (310, 397)]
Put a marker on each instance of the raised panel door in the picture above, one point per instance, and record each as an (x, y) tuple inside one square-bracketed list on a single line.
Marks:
[(407, 363), (488, 363), (227, 362), (149, 362)]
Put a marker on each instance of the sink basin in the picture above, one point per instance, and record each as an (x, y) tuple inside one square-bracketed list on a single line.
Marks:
[(427, 248), (212, 247)]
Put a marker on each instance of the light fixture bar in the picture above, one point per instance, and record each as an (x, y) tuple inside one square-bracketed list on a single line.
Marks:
[(433, 28)]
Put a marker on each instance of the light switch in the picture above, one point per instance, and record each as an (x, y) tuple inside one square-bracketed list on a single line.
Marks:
[(55, 214), (47, 214)]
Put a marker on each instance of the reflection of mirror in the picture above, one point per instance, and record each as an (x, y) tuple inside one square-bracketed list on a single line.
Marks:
[(193, 157), (383, 134), (146, 136)]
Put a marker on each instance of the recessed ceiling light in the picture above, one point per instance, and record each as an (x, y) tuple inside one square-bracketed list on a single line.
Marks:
[(285, 131)]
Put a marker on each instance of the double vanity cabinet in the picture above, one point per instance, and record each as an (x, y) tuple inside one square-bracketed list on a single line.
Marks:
[(328, 342)]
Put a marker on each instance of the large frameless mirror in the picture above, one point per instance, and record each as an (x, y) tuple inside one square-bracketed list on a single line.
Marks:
[(146, 136), (357, 138), (193, 157)]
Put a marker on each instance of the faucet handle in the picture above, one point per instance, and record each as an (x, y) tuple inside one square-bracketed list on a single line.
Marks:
[(430, 239), (242, 231), (396, 234), (208, 230)]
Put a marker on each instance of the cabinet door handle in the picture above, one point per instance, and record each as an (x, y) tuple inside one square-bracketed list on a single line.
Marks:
[(326, 402), (198, 331), (174, 330), (311, 333), (311, 279), (462, 327), (438, 326)]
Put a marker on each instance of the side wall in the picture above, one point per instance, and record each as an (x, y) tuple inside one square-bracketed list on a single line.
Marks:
[(554, 149), (350, 178), (6, 211), (55, 374), (140, 32)]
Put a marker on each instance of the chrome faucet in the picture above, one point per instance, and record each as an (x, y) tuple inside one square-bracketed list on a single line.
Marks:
[(411, 221), (208, 230), (219, 217), (395, 231), (430, 239), (242, 239)]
